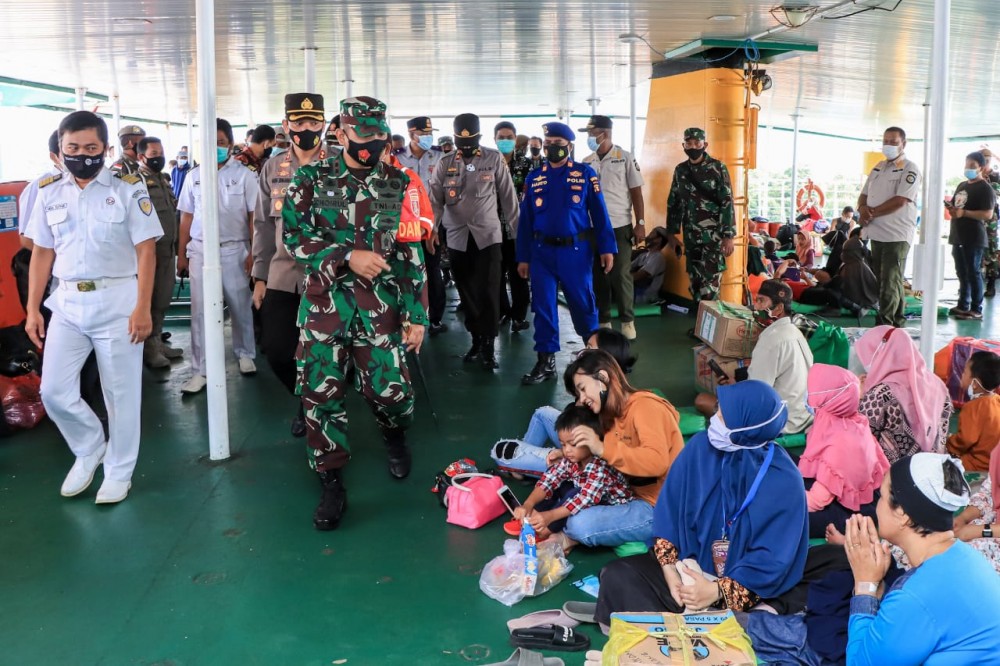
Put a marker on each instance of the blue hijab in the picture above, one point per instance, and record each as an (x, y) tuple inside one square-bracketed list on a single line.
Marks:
[(769, 541)]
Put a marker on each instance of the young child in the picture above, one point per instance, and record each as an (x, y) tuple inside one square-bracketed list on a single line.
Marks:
[(979, 420), (576, 481)]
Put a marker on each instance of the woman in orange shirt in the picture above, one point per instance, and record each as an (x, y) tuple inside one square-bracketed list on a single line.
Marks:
[(642, 438)]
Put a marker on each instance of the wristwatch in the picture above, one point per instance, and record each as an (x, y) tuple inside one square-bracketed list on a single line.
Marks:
[(865, 588), (988, 531), (640, 223)]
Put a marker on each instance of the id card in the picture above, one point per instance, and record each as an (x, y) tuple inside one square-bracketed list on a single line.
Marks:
[(720, 552)]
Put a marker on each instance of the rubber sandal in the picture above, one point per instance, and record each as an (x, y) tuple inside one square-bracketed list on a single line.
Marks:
[(542, 618), (522, 657), (512, 527), (555, 638), (630, 548), (581, 611)]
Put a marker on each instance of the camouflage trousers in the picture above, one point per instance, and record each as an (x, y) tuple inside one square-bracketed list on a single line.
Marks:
[(991, 265), (381, 376), (705, 264)]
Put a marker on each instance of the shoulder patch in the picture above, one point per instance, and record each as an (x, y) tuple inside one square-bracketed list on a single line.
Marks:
[(145, 205), (131, 179), (911, 178), (54, 178)]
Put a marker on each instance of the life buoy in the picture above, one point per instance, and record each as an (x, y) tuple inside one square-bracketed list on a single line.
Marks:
[(809, 196)]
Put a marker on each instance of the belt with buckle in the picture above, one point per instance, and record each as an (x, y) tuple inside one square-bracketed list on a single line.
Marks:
[(94, 285), (565, 241)]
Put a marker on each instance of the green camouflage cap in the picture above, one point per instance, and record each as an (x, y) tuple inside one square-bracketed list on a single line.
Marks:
[(365, 114), (695, 133)]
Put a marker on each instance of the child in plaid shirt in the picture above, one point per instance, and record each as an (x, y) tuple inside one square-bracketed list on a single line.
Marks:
[(576, 481)]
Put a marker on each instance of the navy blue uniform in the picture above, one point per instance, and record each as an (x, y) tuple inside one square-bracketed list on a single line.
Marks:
[(563, 225)]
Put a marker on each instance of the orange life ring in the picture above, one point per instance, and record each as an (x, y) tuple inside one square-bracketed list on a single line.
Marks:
[(809, 194)]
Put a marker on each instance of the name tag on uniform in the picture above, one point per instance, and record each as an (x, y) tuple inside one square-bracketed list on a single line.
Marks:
[(331, 202), (486, 177), (58, 206), (386, 206)]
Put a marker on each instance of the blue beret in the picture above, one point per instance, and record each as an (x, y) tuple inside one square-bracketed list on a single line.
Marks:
[(558, 131)]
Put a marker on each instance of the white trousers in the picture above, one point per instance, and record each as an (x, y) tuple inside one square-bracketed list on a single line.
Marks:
[(96, 320), (235, 293)]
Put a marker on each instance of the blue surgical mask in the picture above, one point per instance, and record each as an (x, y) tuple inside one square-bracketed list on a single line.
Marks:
[(593, 143), (182, 162), (971, 174), (505, 146), (221, 154), (425, 141)]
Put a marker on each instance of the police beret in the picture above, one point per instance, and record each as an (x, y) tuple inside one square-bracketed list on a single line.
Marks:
[(421, 124), (695, 133), (558, 131), (597, 122), (131, 130), (466, 126)]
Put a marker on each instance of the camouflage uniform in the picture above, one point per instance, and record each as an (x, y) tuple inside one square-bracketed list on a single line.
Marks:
[(991, 265), (705, 222), (327, 213), (125, 165)]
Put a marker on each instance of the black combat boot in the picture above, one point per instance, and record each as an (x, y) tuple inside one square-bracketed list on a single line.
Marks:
[(487, 354), (472, 355), (299, 423), (400, 460), (333, 503), (544, 369)]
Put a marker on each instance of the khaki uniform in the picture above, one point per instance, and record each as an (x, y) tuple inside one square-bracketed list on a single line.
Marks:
[(165, 205)]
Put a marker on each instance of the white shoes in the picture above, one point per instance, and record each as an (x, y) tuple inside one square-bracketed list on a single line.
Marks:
[(628, 330), (606, 325), (82, 473), (196, 384), (247, 366), (112, 492)]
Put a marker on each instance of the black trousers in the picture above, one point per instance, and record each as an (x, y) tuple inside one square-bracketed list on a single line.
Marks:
[(435, 284), (477, 276), (516, 307), (280, 334)]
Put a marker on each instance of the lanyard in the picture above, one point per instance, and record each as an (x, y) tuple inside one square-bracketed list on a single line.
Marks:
[(727, 525)]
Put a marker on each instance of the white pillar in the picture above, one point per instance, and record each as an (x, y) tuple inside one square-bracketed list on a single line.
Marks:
[(116, 110), (924, 166), (190, 138), (933, 210), (309, 60), (795, 167), (80, 94), (215, 353), (631, 96)]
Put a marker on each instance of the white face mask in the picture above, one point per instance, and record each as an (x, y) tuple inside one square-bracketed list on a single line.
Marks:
[(891, 152), (720, 437)]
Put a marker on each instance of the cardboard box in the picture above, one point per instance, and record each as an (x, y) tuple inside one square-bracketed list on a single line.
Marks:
[(728, 329), (664, 644), (704, 379)]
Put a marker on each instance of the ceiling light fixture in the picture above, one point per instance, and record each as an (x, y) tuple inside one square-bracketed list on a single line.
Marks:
[(793, 16), (721, 18), (130, 19)]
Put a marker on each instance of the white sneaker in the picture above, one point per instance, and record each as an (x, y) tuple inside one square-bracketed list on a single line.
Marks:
[(247, 366), (628, 330), (82, 473), (112, 492), (196, 384)]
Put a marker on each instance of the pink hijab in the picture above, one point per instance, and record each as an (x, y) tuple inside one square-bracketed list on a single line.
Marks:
[(890, 357), (841, 452)]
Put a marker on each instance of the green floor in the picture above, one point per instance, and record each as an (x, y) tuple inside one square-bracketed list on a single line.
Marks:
[(219, 564)]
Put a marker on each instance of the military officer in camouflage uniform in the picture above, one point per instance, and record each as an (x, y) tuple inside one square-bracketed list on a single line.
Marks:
[(157, 353), (128, 164), (991, 261), (361, 303), (701, 205)]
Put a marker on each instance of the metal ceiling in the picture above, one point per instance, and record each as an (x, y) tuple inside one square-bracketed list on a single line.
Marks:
[(505, 57)]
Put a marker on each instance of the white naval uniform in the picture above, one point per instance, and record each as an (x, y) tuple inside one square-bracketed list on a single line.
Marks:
[(94, 232), (237, 198)]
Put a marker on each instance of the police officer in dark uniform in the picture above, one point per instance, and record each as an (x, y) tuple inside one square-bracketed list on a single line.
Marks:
[(563, 224)]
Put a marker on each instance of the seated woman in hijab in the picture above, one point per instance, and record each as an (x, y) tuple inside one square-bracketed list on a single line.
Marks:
[(834, 239), (944, 610), (853, 287), (908, 407), (804, 250), (733, 506), (842, 465)]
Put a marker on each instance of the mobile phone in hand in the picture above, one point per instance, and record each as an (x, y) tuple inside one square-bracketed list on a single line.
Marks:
[(508, 498)]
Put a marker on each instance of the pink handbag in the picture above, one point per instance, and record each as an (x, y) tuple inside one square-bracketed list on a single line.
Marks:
[(475, 502)]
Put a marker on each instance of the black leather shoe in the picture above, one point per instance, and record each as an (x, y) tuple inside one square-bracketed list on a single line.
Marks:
[(299, 424), (544, 369), (488, 356), (519, 325), (991, 288), (472, 355), (333, 503), (436, 328), (400, 459)]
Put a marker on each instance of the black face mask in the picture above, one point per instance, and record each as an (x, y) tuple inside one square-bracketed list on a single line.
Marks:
[(306, 139), (694, 153), (468, 148), (367, 154), (535, 152), (267, 153), (84, 167), (156, 164), (555, 153)]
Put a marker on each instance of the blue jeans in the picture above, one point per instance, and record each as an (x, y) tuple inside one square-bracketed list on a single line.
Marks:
[(969, 267), (529, 456), (612, 525)]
